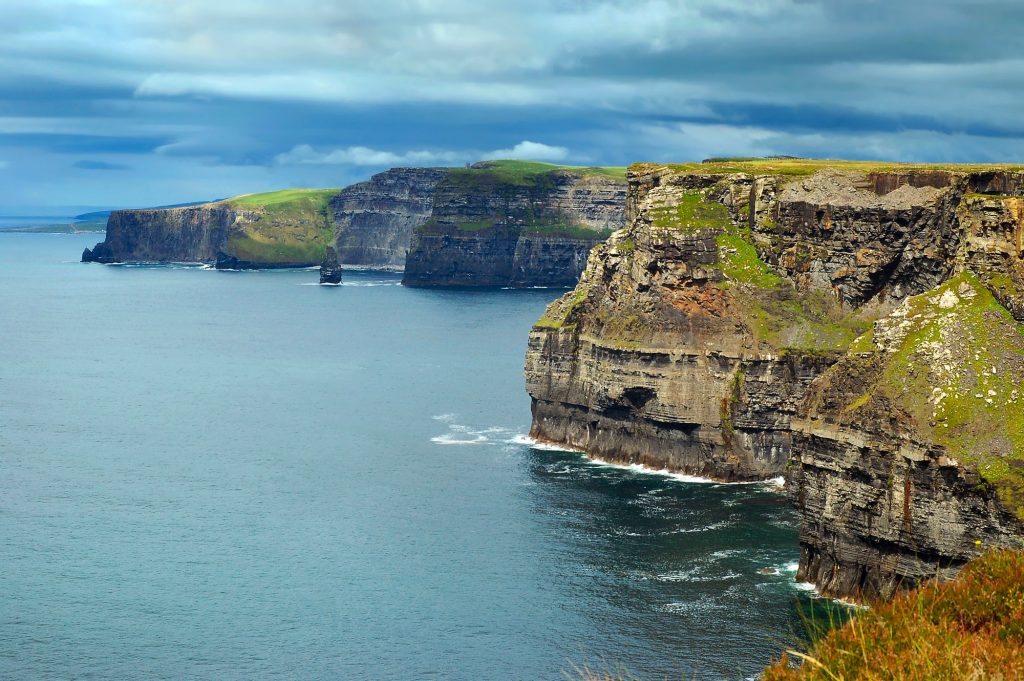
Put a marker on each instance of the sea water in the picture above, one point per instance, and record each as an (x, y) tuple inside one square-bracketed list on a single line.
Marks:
[(241, 475)]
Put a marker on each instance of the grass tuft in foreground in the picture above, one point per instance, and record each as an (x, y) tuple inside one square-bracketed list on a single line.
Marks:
[(971, 628)]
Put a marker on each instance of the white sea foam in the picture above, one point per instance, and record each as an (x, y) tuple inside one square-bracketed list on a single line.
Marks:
[(545, 446), (721, 524), (449, 439), (633, 467), (702, 605), (694, 576), (461, 434), (370, 284)]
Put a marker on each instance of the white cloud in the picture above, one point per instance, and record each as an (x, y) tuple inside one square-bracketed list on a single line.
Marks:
[(530, 151), (305, 154)]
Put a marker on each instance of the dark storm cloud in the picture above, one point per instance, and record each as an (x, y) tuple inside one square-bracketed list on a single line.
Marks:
[(80, 143), (86, 164), (214, 98)]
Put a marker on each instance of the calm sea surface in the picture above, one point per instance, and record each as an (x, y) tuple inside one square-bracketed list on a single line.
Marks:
[(227, 475)]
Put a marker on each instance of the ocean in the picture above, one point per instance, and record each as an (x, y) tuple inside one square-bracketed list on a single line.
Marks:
[(244, 475)]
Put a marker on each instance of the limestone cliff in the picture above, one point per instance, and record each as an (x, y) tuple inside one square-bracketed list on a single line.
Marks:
[(511, 223), (289, 228), (374, 220), (192, 234), (729, 331), (507, 223)]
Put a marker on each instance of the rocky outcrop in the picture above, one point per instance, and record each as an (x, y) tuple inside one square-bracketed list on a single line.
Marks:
[(192, 234), (330, 270), (728, 331), (498, 225), (374, 220), (256, 231)]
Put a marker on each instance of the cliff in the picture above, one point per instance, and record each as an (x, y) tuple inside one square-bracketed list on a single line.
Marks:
[(498, 223), (374, 220), (515, 223), (766, 318), (288, 228)]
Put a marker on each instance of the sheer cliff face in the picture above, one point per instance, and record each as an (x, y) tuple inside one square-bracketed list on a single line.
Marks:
[(369, 224), (288, 228), (193, 234), (730, 331), (374, 220), (496, 224), (491, 228)]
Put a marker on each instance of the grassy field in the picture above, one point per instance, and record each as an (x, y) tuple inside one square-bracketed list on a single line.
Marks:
[(287, 226), (530, 174), (802, 167), (520, 169)]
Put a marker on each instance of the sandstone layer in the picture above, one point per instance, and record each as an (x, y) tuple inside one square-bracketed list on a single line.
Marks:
[(806, 319)]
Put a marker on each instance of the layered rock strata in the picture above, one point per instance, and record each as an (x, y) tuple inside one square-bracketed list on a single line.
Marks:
[(498, 225), (727, 332), (192, 234), (374, 220), (289, 228)]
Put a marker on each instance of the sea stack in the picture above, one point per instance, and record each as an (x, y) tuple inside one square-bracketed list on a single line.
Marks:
[(330, 270)]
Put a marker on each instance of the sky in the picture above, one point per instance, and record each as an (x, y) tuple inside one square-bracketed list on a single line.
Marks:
[(121, 103)]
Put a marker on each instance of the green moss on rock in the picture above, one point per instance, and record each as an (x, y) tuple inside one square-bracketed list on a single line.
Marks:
[(953, 360)]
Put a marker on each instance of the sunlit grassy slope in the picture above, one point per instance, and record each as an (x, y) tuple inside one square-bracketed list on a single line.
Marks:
[(290, 226)]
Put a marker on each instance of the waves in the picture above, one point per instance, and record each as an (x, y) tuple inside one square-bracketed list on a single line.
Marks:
[(461, 435), (642, 469)]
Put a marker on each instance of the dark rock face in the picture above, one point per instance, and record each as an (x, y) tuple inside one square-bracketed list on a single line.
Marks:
[(880, 513), (488, 231), (192, 234), (722, 344), (539, 233), (867, 239), (330, 270), (374, 220)]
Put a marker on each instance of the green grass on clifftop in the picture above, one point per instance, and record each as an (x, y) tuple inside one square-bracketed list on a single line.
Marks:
[(804, 167), (287, 226), (489, 174), (972, 628)]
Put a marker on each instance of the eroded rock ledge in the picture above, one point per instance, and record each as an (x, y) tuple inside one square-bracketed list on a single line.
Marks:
[(855, 327)]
